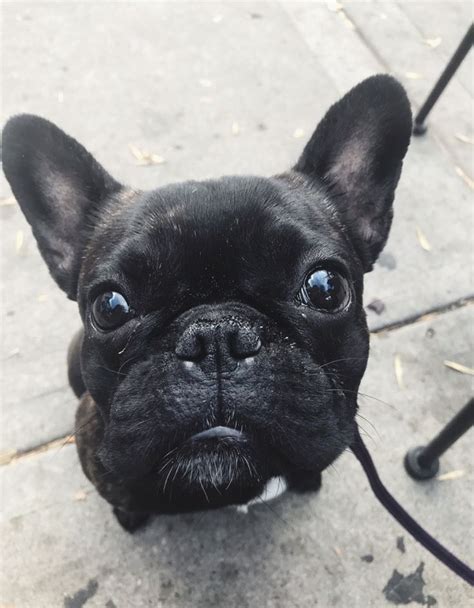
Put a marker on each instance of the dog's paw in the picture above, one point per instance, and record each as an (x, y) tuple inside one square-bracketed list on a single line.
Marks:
[(304, 481), (130, 520)]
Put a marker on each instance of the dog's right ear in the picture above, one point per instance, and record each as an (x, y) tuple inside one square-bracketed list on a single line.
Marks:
[(59, 187)]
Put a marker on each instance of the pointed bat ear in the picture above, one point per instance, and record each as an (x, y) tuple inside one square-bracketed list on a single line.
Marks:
[(59, 187), (357, 152)]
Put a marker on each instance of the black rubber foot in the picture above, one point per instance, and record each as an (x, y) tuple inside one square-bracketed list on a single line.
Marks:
[(419, 128), (415, 469)]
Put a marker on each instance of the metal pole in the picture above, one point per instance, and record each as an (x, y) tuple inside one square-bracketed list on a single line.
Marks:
[(423, 462), (419, 127)]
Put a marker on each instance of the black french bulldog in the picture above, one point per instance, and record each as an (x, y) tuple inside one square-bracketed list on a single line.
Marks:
[(224, 334)]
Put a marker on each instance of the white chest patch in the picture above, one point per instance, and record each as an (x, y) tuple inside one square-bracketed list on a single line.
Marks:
[(273, 488)]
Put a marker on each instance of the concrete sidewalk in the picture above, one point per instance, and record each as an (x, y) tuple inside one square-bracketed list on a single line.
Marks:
[(219, 88)]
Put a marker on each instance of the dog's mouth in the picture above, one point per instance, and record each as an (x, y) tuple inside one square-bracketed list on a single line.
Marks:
[(214, 467), (217, 434)]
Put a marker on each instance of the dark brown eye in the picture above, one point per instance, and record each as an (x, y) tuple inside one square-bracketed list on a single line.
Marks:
[(325, 290), (110, 310)]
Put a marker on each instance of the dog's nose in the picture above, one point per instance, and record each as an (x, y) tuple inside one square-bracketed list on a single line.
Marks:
[(218, 345)]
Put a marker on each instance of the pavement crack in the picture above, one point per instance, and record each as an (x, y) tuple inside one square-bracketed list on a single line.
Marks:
[(426, 315), (9, 456)]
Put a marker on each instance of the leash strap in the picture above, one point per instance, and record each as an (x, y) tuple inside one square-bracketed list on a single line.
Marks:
[(403, 518)]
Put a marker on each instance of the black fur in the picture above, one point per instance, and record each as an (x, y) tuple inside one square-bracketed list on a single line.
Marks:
[(207, 265)]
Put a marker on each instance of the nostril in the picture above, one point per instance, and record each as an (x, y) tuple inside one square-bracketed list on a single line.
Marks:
[(190, 347), (258, 345), (245, 343)]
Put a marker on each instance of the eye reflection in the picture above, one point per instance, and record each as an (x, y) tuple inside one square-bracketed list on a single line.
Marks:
[(326, 290), (110, 310)]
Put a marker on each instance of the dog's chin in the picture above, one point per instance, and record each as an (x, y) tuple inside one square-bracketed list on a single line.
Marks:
[(214, 468)]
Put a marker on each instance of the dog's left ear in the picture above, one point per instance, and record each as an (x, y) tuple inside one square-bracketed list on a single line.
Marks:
[(356, 152)]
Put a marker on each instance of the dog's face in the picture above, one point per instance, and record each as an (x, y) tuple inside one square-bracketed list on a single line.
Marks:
[(224, 332)]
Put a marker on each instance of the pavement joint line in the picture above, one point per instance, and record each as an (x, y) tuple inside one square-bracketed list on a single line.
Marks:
[(11, 456), (432, 313), (436, 136)]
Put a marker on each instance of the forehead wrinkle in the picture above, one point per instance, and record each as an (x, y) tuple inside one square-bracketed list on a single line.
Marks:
[(205, 221)]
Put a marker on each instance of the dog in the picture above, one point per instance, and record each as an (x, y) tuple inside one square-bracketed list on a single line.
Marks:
[(224, 336)]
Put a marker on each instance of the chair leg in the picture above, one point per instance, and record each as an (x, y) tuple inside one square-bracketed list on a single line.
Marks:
[(419, 127), (423, 462)]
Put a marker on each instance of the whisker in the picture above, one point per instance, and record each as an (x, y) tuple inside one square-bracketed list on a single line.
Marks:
[(126, 362), (364, 395), (275, 513), (341, 360), (203, 489), (73, 434), (334, 468), (365, 433), (167, 478), (120, 352), (359, 415), (111, 371)]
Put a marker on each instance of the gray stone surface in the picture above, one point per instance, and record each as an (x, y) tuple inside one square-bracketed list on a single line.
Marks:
[(301, 551), (179, 98), (176, 79), (385, 26), (430, 196), (445, 34)]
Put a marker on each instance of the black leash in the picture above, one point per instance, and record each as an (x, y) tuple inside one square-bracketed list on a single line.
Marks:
[(403, 518)]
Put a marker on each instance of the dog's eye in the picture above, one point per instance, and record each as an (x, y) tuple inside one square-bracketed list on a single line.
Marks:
[(325, 290), (110, 310)]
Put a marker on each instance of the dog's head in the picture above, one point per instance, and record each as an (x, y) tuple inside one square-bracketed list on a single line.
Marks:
[(225, 336)]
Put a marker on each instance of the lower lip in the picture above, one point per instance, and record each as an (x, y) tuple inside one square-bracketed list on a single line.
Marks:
[(218, 432)]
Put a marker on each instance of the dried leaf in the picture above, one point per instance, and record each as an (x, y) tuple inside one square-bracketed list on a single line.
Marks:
[(337, 7), (80, 495), (466, 178), (298, 133), (433, 42), (413, 75), (457, 474), (422, 239), (19, 241), (7, 456), (6, 202), (464, 138), (235, 129), (399, 371), (428, 317), (376, 306), (156, 159), (347, 22), (459, 367), (145, 158), (334, 6), (137, 153)]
